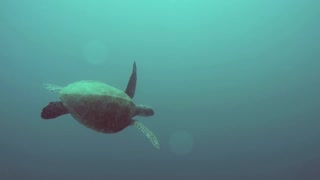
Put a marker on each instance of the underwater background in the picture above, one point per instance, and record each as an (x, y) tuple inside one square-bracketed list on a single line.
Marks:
[(234, 85)]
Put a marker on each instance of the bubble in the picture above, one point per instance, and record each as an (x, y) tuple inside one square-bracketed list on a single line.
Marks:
[(95, 52), (181, 143)]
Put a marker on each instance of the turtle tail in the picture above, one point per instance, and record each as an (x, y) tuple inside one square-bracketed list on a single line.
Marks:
[(153, 139), (53, 110)]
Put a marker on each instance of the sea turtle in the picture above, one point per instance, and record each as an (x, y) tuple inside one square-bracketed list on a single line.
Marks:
[(100, 106)]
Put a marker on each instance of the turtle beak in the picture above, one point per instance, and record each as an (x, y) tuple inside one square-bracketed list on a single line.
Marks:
[(147, 111), (150, 112)]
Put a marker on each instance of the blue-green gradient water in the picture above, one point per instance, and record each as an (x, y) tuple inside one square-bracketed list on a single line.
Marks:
[(234, 85)]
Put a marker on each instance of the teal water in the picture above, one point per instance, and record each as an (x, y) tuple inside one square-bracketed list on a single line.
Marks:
[(234, 85)]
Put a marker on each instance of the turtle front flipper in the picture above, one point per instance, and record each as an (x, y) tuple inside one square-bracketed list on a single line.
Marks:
[(131, 87), (153, 139), (53, 110)]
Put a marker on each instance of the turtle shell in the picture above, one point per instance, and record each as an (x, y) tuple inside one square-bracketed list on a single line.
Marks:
[(98, 106)]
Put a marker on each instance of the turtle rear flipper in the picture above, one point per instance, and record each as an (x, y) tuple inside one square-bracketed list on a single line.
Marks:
[(52, 87), (147, 132), (53, 110)]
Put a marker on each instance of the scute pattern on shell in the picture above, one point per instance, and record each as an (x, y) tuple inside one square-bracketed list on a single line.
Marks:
[(98, 106)]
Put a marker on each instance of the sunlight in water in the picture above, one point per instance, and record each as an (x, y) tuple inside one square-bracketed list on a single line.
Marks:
[(181, 143), (95, 52)]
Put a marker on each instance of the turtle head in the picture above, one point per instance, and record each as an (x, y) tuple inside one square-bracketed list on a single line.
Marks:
[(143, 110)]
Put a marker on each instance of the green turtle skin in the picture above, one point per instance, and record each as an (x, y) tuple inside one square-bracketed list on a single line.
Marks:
[(98, 106)]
